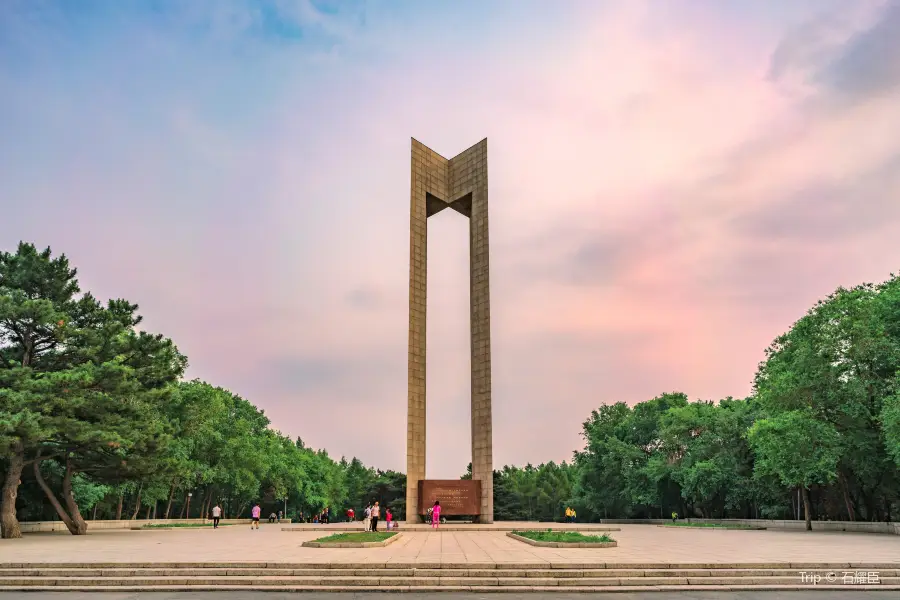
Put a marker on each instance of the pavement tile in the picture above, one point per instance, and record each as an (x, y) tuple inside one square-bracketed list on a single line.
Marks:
[(451, 554)]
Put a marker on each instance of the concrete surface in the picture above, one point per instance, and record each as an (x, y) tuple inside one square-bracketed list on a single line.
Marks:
[(639, 544), (59, 526), (848, 526)]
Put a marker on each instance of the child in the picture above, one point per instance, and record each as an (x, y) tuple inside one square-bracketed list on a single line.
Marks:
[(436, 514), (388, 518)]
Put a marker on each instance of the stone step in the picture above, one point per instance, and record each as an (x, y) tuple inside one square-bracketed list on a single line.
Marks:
[(561, 566), (531, 573), (465, 588), (417, 582)]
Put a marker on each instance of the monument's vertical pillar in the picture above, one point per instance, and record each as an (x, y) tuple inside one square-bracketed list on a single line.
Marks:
[(480, 325), (428, 179), (418, 290)]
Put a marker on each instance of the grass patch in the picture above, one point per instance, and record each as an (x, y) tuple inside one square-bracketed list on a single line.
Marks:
[(181, 525), (356, 537), (710, 525), (566, 537)]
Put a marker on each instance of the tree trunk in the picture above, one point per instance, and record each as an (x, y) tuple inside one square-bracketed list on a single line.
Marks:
[(137, 502), (28, 349), (147, 516), (9, 524), (119, 506), (76, 526), (94, 514), (69, 499), (845, 490), (171, 496), (869, 504), (154, 510), (206, 504), (806, 508)]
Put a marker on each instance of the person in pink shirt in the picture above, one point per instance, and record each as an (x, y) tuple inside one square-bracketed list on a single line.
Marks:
[(255, 515), (436, 514)]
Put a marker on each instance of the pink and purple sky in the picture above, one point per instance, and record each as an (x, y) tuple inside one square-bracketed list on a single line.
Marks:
[(673, 183)]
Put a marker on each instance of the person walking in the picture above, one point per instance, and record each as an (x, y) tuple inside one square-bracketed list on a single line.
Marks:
[(367, 517), (436, 514), (254, 516), (376, 512), (216, 515), (388, 518)]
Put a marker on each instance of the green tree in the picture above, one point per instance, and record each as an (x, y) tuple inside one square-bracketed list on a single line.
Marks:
[(37, 298), (890, 420), (799, 449), (106, 414), (710, 460), (840, 362), (80, 385)]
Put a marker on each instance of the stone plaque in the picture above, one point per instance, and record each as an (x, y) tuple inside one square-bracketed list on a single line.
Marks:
[(457, 496)]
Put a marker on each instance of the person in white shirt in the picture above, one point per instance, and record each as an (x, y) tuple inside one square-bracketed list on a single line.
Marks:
[(216, 515), (376, 512)]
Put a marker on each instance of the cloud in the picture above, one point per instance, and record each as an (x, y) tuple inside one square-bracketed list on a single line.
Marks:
[(366, 298), (870, 61), (829, 214), (803, 54)]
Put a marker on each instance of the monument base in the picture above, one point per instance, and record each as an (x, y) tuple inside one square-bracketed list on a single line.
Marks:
[(458, 497)]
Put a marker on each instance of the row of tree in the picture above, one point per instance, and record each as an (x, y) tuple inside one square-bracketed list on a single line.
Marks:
[(95, 420), (820, 433)]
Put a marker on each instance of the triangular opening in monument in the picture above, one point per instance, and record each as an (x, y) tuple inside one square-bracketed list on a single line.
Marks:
[(434, 205), (463, 205)]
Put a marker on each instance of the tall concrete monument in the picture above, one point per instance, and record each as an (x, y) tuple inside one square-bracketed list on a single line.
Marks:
[(461, 184)]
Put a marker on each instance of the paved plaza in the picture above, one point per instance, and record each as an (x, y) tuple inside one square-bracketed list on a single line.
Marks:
[(637, 544)]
